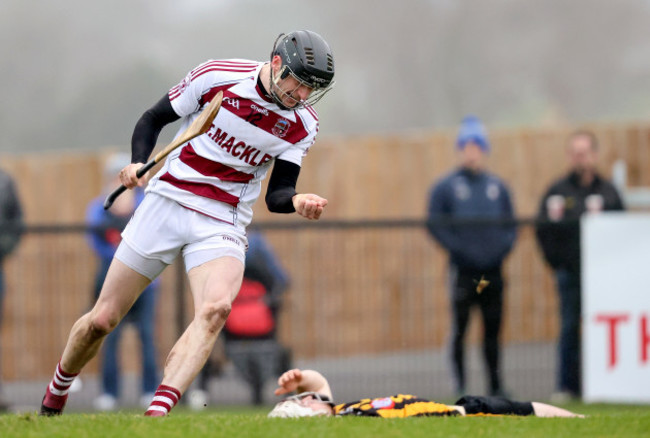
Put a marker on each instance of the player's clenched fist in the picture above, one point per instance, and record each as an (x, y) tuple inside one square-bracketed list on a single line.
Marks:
[(309, 205)]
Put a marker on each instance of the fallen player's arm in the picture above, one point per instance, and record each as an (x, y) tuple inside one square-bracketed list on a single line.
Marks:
[(459, 409), (303, 381), (539, 410), (544, 410)]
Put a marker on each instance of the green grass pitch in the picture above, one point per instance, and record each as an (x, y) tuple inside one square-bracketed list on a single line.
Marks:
[(603, 421)]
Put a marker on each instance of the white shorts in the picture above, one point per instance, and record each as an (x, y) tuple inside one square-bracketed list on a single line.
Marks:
[(161, 228)]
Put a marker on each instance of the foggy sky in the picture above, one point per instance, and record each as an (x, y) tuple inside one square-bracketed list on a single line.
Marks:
[(77, 75)]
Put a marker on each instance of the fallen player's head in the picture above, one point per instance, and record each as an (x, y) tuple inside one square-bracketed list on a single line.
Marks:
[(305, 404)]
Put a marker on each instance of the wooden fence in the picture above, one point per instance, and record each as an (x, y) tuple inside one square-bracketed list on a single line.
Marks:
[(354, 289)]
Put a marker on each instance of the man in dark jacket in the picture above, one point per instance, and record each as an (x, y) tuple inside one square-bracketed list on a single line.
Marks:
[(471, 216), (11, 225), (583, 190)]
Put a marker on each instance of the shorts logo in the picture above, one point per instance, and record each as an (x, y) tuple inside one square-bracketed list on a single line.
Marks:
[(383, 403), (231, 239), (281, 128)]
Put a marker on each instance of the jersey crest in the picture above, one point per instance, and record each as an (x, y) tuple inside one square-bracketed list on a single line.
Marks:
[(281, 127)]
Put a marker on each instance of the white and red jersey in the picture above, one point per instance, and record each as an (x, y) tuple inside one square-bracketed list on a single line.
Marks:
[(220, 173)]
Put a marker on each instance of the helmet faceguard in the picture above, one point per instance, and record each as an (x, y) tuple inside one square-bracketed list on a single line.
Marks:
[(307, 58)]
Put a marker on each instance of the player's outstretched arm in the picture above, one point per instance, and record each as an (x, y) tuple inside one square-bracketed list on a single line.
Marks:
[(303, 381), (544, 410)]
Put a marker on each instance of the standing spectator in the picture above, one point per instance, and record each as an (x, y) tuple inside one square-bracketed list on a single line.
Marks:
[(558, 233), (105, 238), (476, 248), (11, 224)]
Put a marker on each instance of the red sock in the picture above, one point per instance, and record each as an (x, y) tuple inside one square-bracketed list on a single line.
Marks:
[(163, 401), (57, 391)]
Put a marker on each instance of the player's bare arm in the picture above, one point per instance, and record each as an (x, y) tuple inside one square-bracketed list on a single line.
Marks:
[(544, 410), (303, 381)]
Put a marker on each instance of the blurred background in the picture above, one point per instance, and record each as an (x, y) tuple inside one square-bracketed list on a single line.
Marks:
[(367, 300), (88, 71)]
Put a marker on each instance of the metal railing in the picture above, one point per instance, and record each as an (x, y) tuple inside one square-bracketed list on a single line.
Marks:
[(366, 298)]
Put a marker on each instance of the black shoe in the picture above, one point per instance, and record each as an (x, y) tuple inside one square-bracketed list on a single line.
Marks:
[(51, 412)]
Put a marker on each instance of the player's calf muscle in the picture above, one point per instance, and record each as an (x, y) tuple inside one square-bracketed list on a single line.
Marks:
[(214, 315)]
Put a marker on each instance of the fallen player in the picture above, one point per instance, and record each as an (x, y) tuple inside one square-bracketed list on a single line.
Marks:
[(314, 398)]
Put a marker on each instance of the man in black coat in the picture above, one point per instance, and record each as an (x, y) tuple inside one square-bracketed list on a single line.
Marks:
[(582, 191)]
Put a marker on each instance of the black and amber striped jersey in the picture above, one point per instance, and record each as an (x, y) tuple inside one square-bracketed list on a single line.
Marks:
[(395, 406)]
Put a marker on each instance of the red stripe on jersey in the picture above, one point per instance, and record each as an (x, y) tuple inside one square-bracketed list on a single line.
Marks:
[(311, 111), (211, 168), (221, 66), (207, 97), (202, 189), (231, 66), (235, 62), (225, 62), (236, 70), (174, 93), (265, 119)]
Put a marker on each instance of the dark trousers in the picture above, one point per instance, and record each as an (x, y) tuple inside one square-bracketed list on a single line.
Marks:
[(2, 292), (2, 297), (568, 371), (464, 296)]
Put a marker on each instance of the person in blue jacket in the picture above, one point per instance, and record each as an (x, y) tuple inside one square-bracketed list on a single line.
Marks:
[(470, 215), (105, 235)]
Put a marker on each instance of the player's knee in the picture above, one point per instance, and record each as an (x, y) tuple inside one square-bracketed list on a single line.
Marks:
[(102, 324), (215, 314)]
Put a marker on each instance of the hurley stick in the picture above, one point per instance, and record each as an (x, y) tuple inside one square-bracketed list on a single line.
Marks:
[(199, 126)]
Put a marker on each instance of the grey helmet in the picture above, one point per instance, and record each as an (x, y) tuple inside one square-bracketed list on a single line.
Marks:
[(308, 58)]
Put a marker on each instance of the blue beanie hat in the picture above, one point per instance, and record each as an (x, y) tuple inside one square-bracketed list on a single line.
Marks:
[(471, 129)]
